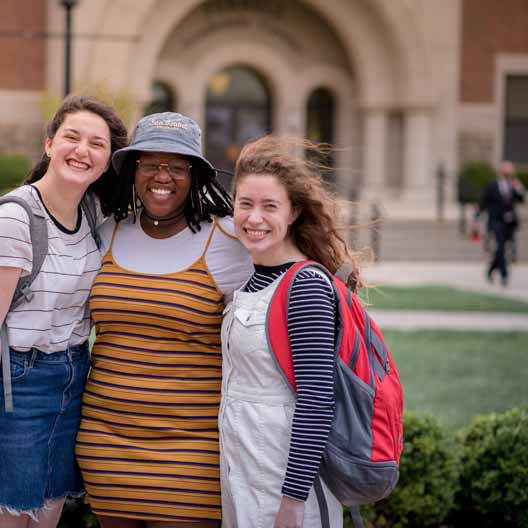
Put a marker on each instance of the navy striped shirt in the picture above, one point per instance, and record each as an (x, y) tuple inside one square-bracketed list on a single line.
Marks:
[(311, 329)]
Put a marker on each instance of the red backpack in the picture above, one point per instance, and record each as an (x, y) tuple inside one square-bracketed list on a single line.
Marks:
[(360, 462)]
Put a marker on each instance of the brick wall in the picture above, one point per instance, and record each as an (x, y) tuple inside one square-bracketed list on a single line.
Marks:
[(22, 46), (489, 27)]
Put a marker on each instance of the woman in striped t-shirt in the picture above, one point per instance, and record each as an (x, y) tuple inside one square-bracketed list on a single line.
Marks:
[(271, 444), (48, 334)]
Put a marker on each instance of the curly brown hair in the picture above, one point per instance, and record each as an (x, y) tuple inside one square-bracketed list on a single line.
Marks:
[(314, 232)]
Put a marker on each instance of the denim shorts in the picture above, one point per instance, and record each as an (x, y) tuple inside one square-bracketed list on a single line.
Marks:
[(37, 440)]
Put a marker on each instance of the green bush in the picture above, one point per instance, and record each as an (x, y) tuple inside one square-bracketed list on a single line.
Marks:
[(13, 170), (77, 514), (494, 477), (472, 180), (428, 481), (523, 176)]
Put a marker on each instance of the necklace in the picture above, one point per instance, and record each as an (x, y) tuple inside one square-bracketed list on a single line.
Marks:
[(156, 221)]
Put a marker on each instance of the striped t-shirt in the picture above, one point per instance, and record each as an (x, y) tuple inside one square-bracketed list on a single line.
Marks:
[(311, 329), (57, 316)]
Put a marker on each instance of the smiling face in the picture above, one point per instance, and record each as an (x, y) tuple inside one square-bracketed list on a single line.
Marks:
[(161, 193), (80, 150), (263, 214)]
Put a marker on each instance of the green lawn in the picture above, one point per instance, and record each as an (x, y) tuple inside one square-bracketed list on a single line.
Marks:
[(456, 375), (432, 297)]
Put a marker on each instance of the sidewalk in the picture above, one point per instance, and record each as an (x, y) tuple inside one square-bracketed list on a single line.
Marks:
[(438, 320), (467, 276)]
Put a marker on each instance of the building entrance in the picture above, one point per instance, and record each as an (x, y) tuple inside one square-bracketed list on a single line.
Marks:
[(238, 109)]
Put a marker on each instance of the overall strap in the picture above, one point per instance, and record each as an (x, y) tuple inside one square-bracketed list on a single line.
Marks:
[(38, 231)]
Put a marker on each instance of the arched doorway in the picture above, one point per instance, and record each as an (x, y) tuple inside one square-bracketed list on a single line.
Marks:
[(238, 109), (161, 99), (320, 127)]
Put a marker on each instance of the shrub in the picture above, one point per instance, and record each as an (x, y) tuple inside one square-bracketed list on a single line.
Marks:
[(494, 477), (472, 180), (523, 176), (428, 481), (13, 171), (77, 514)]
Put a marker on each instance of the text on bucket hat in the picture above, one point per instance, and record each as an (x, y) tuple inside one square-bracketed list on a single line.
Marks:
[(165, 132)]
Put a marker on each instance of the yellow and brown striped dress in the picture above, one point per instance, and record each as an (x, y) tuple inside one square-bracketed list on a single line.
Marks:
[(148, 442)]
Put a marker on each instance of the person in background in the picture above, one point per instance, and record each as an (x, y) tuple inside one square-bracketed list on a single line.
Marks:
[(46, 361), (499, 201), (148, 442), (272, 443)]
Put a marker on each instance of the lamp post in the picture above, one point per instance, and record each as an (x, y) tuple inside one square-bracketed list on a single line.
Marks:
[(68, 6)]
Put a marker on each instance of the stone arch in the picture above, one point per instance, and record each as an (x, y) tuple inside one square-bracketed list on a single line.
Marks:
[(272, 68), (391, 64)]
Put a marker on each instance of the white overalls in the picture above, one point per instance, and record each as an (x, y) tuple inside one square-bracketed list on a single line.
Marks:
[(255, 422)]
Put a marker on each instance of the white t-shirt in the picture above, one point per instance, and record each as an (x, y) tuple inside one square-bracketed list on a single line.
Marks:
[(57, 316), (226, 258)]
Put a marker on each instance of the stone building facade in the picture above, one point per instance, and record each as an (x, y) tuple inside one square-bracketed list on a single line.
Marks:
[(400, 87)]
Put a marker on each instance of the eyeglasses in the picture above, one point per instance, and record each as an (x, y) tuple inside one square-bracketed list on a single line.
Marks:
[(177, 171)]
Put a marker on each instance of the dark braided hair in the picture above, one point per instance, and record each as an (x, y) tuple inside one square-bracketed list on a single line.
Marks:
[(207, 198), (104, 187)]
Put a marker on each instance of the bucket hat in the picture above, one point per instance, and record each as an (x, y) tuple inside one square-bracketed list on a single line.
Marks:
[(165, 132)]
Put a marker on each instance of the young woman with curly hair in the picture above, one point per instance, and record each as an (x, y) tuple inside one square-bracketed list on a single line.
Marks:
[(272, 442)]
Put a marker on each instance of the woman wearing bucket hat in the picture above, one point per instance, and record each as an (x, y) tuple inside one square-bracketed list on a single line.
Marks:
[(148, 443)]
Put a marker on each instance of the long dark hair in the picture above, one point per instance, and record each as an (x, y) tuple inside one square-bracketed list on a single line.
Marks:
[(207, 198), (105, 186)]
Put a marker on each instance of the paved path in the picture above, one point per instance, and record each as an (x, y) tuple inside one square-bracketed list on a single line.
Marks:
[(469, 276), (437, 320)]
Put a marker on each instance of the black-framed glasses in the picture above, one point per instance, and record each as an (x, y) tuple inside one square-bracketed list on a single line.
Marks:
[(177, 170)]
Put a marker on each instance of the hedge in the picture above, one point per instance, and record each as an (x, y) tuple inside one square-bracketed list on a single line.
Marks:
[(494, 477), (472, 180), (13, 170), (478, 477), (429, 472)]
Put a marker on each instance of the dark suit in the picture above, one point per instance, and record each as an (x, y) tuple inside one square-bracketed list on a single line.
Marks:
[(503, 220)]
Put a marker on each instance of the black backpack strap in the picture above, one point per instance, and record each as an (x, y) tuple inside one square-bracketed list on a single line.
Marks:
[(321, 501), (38, 232), (379, 362), (355, 516), (90, 211)]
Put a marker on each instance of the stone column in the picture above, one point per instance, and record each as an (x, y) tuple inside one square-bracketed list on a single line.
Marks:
[(375, 155), (419, 181)]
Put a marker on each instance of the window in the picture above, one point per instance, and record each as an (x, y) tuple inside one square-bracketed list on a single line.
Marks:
[(238, 109), (320, 126), (516, 119), (161, 99)]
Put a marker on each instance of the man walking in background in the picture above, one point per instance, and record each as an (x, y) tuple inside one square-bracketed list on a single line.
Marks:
[(499, 200)]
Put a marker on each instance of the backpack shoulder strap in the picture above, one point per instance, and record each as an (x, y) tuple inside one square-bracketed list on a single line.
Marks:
[(90, 211), (38, 231), (277, 324)]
